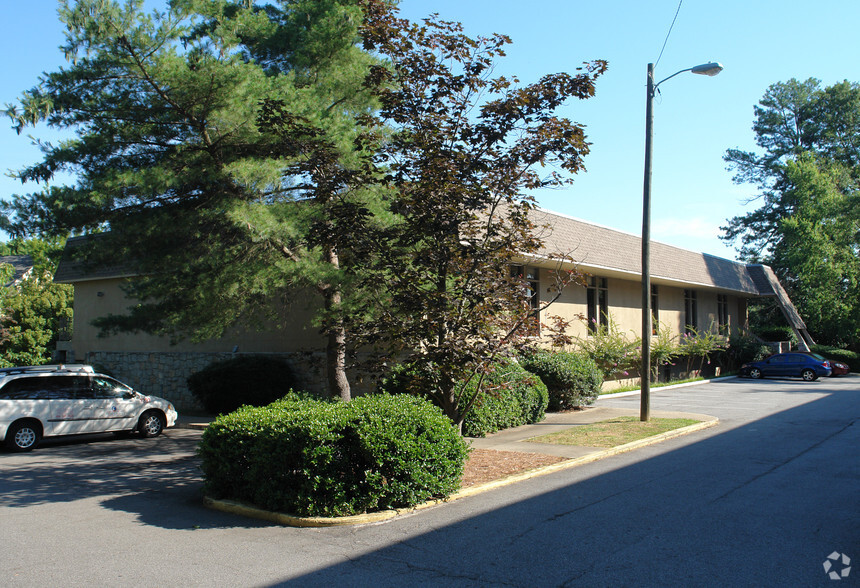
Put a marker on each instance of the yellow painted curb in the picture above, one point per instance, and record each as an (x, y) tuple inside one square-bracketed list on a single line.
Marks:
[(233, 507), (245, 510), (591, 457)]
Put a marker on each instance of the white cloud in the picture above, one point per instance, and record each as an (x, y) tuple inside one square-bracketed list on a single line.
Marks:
[(665, 229)]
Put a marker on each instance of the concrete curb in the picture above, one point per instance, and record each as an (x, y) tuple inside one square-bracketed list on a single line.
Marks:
[(670, 387), (238, 508)]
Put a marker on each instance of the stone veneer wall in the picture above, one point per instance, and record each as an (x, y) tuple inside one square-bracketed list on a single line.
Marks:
[(164, 373)]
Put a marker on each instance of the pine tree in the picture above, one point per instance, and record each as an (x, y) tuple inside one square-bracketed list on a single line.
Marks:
[(202, 139)]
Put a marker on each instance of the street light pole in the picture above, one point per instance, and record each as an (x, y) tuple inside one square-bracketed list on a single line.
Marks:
[(645, 369), (708, 69)]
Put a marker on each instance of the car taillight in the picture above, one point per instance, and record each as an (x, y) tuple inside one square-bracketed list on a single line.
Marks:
[(826, 364)]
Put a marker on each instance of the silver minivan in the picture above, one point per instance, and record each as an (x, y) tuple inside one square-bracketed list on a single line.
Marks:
[(45, 401)]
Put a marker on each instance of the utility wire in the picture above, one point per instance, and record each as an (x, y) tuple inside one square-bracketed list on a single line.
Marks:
[(669, 33)]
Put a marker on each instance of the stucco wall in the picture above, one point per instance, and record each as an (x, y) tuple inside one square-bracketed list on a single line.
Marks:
[(103, 297), (153, 366), (624, 299)]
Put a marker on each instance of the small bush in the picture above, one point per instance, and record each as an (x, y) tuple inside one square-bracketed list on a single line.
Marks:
[(776, 333), (837, 354), (572, 379), (315, 458), (254, 380), (512, 396), (611, 350), (744, 348)]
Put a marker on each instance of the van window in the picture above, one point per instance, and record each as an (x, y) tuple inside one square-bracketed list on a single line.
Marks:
[(103, 387), (45, 388)]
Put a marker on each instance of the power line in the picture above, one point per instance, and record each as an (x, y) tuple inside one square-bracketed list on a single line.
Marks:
[(669, 33)]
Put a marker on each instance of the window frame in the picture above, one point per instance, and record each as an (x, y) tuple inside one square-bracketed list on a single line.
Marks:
[(530, 277), (691, 311), (655, 310), (723, 314), (597, 303)]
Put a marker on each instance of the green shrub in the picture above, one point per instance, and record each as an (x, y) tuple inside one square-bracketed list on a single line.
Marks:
[(315, 458), (406, 378), (572, 379), (776, 333), (611, 350), (744, 348), (255, 380), (837, 354), (512, 396)]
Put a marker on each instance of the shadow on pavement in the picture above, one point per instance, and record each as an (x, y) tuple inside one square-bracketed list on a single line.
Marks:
[(760, 504), (158, 480)]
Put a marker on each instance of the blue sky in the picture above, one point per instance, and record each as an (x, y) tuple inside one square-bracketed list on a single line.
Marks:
[(697, 118)]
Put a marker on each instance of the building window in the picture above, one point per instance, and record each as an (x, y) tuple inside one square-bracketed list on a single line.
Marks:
[(530, 277), (723, 313), (598, 308), (691, 312), (655, 310)]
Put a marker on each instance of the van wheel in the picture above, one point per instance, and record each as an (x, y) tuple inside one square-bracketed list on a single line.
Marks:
[(151, 424), (23, 436)]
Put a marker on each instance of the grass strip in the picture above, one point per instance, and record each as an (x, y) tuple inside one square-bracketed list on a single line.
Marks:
[(613, 432)]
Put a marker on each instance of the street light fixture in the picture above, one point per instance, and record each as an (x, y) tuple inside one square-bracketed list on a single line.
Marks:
[(707, 69)]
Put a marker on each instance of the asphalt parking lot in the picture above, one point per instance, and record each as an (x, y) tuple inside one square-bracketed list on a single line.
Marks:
[(761, 499)]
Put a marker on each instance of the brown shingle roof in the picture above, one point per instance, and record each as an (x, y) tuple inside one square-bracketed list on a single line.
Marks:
[(594, 247), (22, 265), (72, 269)]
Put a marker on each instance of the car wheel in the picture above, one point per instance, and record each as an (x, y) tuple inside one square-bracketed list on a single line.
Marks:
[(809, 375), (23, 436), (151, 424), (755, 373)]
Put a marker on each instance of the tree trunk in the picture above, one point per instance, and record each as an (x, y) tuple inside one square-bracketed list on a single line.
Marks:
[(450, 406), (338, 383)]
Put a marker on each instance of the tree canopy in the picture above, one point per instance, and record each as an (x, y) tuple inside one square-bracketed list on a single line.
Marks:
[(463, 149), (807, 226), (219, 211), (236, 152), (35, 310)]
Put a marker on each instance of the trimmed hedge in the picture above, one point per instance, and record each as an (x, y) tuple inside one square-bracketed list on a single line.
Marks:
[(776, 333), (572, 379), (844, 355), (254, 380), (743, 348), (513, 396), (315, 458)]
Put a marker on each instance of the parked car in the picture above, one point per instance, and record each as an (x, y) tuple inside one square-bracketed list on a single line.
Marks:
[(839, 368), (809, 366), (53, 400)]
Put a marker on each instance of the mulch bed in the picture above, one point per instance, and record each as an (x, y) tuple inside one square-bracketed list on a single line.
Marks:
[(486, 465)]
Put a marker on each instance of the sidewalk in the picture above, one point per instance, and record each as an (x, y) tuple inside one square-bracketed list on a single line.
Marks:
[(193, 421), (516, 439)]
